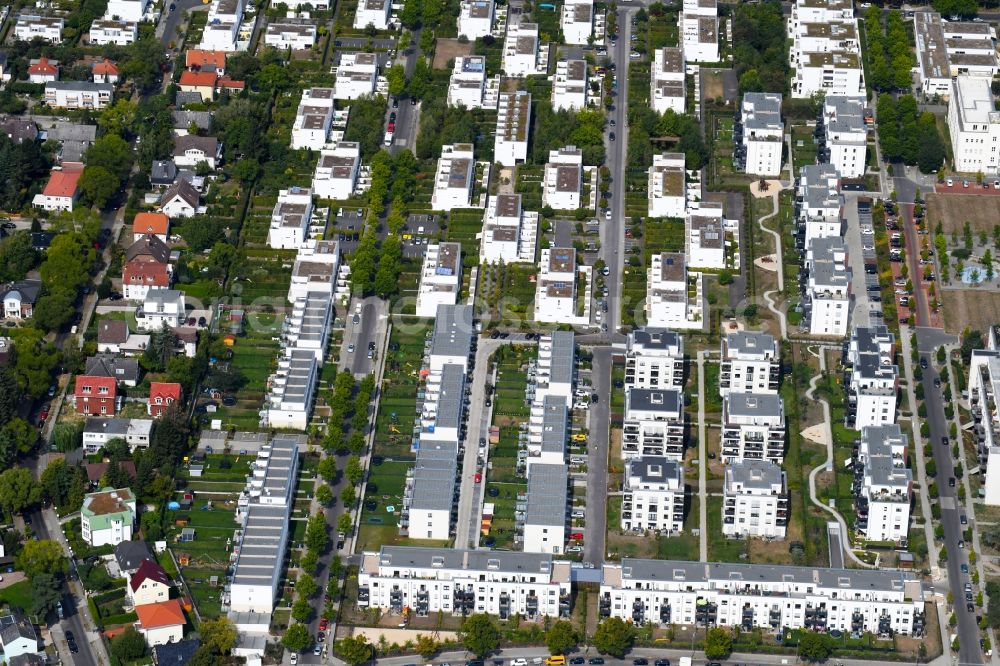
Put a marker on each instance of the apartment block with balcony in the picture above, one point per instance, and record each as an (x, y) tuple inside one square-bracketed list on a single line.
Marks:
[(569, 85), (668, 88), (47, 28), (872, 379), (290, 219), (984, 388), (825, 52), (653, 496), (475, 19), (653, 423), (883, 486), (563, 179), (308, 325), (760, 133), (356, 75), (559, 298), (753, 427), (827, 291), (453, 178), (373, 13), (577, 22), (946, 49), (654, 358), (522, 55), (469, 85), (545, 514), (440, 278), (755, 501), (751, 363), (698, 24), (510, 146), (705, 237), (289, 401), (819, 205), (451, 339), (667, 186), (316, 269), (79, 95), (463, 582), (555, 372), (772, 598), (675, 298), (313, 119), (510, 233), (548, 430), (337, 170), (846, 134)]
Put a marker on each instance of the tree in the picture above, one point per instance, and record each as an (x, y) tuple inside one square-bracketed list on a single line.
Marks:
[(396, 76), (327, 468), (46, 592), (561, 637), (55, 308), (718, 643), (219, 635), (17, 257), (297, 638), (111, 152), (480, 634), (613, 636), (324, 495), (247, 170), (18, 490), (316, 535), (348, 496), (128, 645), (814, 647), (306, 586), (354, 471), (301, 610), (344, 523), (427, 647), (41, 557), (354, 650), (97, 185)]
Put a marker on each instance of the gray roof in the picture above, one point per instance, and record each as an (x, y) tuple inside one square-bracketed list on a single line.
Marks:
[(433, 483), (183, 119), (80, 85), (655, 469), (563, 357), (469, 560), (261, 549), (29, 290), (554, 426), (112, 331), (315, 316), (751, 343), (18, 129), (150, 246), (657, 338), (281, 462), (547, 495), (108, 365), (883, 472), (818, 193), (855, 580), (654, 400), (755, 474), (26, 660), (164, 295), (130, 554), (301, 367), (15, 626), (184, 190), (184, 97), (67, 131), (453, 331), (206, 144), (163, 172), (452, 397), (113, 427), (764, 112), (754, 404), (849, 114)]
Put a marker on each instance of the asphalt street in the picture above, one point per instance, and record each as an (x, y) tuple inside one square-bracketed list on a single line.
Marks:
[(169, 21), (967, 629), (599, 423), (407, 114), (369, 329)]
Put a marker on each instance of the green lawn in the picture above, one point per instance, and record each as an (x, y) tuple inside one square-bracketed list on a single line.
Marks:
[(18, 595)]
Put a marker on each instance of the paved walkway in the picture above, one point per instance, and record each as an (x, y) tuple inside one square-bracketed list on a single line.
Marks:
[(775, 189)]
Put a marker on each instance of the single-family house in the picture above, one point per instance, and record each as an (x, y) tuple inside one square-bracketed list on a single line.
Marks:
[(191, 150), (130, 554), (18, 636), (202, 83), (161, 307), (111, 335), (19, 298), (125, 371), (200, 60), (150, 584), (180, 200), (107, 517), (105, 71), (161, 623), (95, 396), (161, 396), (151, 224), (62, 190), (43, 70)]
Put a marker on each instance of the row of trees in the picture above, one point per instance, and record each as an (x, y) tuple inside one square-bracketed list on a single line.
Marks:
[(760, 50), (908, 135), (647, 126), (888, 51)]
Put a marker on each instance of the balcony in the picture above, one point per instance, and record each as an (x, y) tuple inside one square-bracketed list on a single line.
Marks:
[(638, 612), (665, 614), (364, 595), (531, 605), (604, 606)]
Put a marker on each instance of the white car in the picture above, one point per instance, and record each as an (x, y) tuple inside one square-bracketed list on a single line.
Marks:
[(519, 662), (607, 214), (350, 349)]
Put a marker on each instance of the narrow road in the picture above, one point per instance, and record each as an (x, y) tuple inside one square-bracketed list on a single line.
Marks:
[(702, 464), (597, 459)]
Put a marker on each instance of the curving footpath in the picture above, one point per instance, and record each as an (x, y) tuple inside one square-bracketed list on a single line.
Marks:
[(782, 321), (828, 464)]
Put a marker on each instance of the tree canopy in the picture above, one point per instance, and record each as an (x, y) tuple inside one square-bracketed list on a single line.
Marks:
[(718, 643), (480, 634), (614, 636)]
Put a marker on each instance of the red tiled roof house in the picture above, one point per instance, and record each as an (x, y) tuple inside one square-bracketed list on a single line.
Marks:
[(161, 396), (95, 396)]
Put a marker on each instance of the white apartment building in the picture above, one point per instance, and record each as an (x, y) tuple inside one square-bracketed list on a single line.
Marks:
[(453, 178), (846, 134), (510, 233), (30, 26), (974, 125), (653, 496), (819, 201), (440, 278), (290, 219), (699, 28), (751, 363), (222, 30), (653, 423), (569, 85), (127, 10), (475, 19), (755, 500), (577, 21), (873, 379), (883, 602), (293, 386), (161, 307), (356, 75), (825, 52), (290, 34), (548, 430), (467, 86), (556, 365), (113, 31), (668, 88), (108, 517), (563, 183), (316, 269), (521, 51), (263, 511), (462, 582), (827, 300), (374, 13), (824, 37), (883, 486), (308, 325), (336, 174), (451, 340), (667, 186), (513, 123), (705, 238), (313, 119), (547, 501), (669, 303), (984, 387), (753, 427), (831, 73), (763, 133), (79, 95), (946, 49), (654, 358), (556, 294)]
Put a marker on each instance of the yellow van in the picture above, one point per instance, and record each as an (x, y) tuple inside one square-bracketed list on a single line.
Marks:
[(556, 660)]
